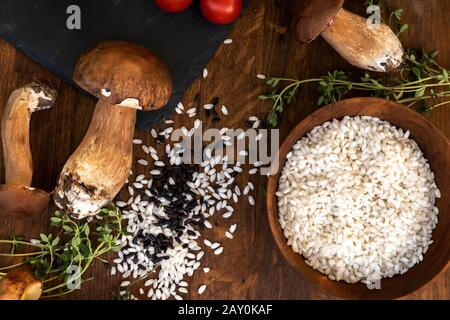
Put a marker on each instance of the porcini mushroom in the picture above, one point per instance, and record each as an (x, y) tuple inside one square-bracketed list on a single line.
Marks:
[(124, 77), (374, 48), (17, 198), (20, 284)]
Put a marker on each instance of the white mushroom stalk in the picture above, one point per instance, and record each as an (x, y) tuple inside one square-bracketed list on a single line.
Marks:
[(374, 47), (99, 167), (16, 129), (17, 198)]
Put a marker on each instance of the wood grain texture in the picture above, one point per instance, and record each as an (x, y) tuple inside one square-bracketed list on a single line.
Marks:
[(251, 266)]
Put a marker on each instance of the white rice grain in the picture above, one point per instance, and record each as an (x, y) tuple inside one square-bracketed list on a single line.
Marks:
[(202, 289), (356, 198)]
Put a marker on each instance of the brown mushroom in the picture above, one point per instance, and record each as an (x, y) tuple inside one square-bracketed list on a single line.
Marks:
[(124, 77), (20, 284), (17, 198), (374, 48)]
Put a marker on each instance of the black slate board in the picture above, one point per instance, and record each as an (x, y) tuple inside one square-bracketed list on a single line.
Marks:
[(185, 41)]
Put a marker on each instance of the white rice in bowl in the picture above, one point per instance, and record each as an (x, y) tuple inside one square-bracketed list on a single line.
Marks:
[(356, 198)]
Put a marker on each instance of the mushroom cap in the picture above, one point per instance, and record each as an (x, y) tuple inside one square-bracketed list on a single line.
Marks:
[(120, 72), (22, 202), (311, 17)]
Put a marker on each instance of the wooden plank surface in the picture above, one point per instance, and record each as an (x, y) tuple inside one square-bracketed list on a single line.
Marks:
[(251, 266)]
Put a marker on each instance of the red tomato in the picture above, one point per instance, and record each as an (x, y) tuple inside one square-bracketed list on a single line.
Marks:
[(221, 11), (173, 5)]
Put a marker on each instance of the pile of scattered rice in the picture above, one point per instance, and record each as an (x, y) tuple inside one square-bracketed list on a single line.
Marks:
[(356, 199), (167, 208)]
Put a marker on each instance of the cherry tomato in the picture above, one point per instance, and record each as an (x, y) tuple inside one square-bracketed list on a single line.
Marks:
[(221, 11), (173, 5)]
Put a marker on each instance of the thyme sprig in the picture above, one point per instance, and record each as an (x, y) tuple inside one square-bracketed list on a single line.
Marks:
[(73, 244), (422, 79), (395, 21)]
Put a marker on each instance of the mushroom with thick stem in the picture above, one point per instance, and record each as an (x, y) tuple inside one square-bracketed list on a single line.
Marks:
[(20, 284), (375, 48), (124, 77), (17, 198)]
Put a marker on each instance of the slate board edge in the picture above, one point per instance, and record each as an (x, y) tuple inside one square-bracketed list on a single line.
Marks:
[(140, 124), (159, 114), (13, 41)]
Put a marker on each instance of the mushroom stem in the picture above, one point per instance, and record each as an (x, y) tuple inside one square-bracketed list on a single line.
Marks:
[(375, 49), (99, 167), (15, 130)]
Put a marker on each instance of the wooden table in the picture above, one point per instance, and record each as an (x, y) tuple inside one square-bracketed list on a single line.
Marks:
[(251, 266)]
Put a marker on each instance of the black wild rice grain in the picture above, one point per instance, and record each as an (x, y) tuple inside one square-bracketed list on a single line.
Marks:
[(179, 205)]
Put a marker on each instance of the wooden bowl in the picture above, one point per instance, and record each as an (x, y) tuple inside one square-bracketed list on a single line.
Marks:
[(436, 149)]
